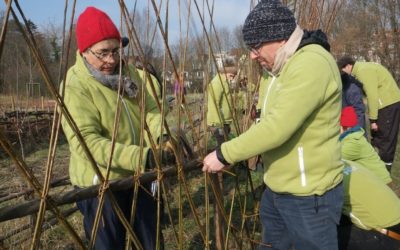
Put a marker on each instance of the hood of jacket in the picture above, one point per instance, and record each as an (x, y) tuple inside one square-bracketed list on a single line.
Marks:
[(314, 37), (298, 40)]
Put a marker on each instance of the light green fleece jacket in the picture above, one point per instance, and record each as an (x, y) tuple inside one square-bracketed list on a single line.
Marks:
[(298, 133), (355, 147), (93, 107), (379, 86), (264, 83), (218, 94), (368, 201)]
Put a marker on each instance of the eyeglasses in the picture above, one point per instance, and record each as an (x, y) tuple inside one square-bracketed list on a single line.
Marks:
[(255, 48), (105, 54)]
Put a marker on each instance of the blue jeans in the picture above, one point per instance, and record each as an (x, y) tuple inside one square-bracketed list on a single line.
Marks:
[(302, 222), (111, 232)]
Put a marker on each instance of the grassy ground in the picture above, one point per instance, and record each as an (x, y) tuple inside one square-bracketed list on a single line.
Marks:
[(11, 182), (57, 238)]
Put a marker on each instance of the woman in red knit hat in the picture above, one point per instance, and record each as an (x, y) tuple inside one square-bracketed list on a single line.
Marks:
[(376, 224), (91, 94), (355, 146)]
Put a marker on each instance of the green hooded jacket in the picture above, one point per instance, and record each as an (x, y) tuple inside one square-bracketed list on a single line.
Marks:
[(298, 133), (264, 83), (217, 100), (368, 201), (93, 107), (379, 86), (355, 147)]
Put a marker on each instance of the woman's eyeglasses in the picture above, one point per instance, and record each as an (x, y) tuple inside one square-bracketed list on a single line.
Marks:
[(105, 54)]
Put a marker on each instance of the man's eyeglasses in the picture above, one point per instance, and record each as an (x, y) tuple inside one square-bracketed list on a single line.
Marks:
[(105, 54), (255, 48)]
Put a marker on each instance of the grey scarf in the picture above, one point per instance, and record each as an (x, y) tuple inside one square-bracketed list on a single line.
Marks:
[(112, 81)]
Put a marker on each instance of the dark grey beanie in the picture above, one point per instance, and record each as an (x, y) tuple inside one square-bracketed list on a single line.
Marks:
[(269, 21)]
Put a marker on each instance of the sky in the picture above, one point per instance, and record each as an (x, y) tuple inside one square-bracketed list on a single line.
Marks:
[(227, 13)]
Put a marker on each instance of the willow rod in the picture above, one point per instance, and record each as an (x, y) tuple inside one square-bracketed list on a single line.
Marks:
[(50, 159), (228, 96), (28, 175), (5, 25)]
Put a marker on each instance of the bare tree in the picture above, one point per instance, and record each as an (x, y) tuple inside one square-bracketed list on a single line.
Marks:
[(225, 39), (369, 30), (147, 31)]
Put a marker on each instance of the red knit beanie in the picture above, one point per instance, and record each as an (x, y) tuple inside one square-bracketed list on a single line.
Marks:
[(94, 26), (348, 117)]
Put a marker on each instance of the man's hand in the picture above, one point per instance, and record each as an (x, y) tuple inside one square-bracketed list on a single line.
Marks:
[(374, 126), (211, 163)]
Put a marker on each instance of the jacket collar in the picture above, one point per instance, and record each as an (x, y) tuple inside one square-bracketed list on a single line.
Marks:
[(350, 131), (315, 37)]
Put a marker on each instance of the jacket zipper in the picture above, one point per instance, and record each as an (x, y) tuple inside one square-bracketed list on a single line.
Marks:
[(266, 96), (129, 119)]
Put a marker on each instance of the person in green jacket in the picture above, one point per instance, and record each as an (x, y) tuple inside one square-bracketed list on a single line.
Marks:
[(383, 100), (297, 135), (91, 97), (371, 211), (219, 101), (355, 146)]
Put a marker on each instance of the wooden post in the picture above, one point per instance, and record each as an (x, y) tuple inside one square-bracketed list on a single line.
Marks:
[(217, 180), (12, 103)]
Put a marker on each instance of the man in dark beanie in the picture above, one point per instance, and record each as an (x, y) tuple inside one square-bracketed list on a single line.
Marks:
[(383, 100), (298, 132)]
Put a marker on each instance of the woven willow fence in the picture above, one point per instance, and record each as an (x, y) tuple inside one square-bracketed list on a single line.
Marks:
[(202, 211)]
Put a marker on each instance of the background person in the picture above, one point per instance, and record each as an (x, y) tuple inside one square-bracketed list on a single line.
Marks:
[(297, 135), (371, 211), (179, 88), (383, 100), (353, 96), (219, 104), (355, 146)]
